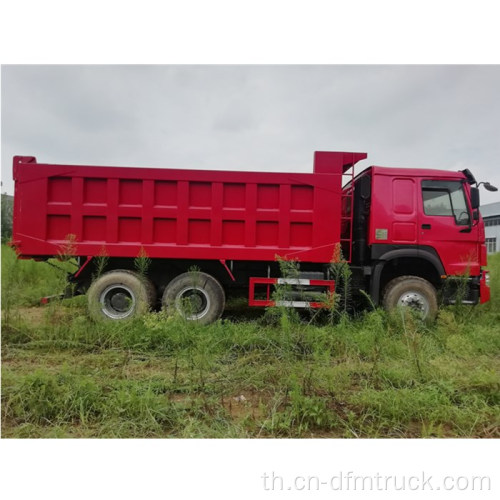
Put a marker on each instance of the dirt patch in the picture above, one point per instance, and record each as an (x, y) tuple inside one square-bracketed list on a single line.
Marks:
[(32, 315), (239, 407), (39, 315), (245, 405)]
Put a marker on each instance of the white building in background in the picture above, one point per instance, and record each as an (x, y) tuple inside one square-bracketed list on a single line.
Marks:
[(491, 217)]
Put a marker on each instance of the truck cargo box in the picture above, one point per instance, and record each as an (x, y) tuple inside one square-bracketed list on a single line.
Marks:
[(186, 214)]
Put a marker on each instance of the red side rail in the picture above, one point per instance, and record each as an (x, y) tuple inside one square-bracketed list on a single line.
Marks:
[(268, 282)]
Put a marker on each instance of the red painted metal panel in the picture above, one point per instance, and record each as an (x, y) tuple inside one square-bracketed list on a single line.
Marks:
[(397, 217), (175, 213), (326, 161)]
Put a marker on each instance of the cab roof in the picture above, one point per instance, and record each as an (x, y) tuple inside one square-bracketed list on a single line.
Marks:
[(416, 172)]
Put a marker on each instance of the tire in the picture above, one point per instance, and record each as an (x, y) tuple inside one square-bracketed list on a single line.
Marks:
[(120, 295), (196, 297), (152, 296), (414, 292)]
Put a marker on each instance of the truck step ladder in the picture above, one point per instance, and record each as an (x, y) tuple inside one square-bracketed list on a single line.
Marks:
[(346, 220)]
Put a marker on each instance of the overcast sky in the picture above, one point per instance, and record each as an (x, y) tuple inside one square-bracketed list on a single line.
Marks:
[(253, 117)]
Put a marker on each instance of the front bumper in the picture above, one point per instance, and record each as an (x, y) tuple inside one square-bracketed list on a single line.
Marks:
[(484, 287), (470, 290)]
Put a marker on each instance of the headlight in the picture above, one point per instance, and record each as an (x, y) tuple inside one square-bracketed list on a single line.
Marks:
[(486, 278)]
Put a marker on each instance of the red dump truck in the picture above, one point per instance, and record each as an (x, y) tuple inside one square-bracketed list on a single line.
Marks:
[(412, 237)]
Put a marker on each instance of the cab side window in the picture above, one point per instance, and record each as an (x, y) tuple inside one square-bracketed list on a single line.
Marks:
[(446, 199)]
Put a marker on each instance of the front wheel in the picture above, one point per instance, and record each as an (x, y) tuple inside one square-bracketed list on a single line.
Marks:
[(195, 296), (413, 292)]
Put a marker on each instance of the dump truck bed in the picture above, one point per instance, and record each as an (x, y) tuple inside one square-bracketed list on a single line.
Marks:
[(181, 214)]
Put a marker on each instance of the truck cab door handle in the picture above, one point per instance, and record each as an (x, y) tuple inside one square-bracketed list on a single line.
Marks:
[(426, 226)]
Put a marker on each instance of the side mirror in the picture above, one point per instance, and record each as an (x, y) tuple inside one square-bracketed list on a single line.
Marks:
[(475, 216), (474, 198), (490, 187)]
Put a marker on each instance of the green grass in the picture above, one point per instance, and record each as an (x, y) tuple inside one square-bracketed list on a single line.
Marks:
[(373, 376)]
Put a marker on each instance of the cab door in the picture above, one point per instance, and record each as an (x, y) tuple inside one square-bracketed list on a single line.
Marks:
[(445, 223)]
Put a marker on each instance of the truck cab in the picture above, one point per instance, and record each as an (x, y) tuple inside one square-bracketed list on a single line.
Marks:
[(418, 233)]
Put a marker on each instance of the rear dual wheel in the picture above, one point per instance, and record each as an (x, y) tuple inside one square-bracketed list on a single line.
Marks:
[(120, 295), (195, 296), (124, 294)]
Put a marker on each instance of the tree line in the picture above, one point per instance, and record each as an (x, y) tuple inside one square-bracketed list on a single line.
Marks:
[(7, 213)]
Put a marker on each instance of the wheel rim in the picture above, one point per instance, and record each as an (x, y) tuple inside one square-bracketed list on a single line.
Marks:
[(416, 301), (192, 303), (117, 301)]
